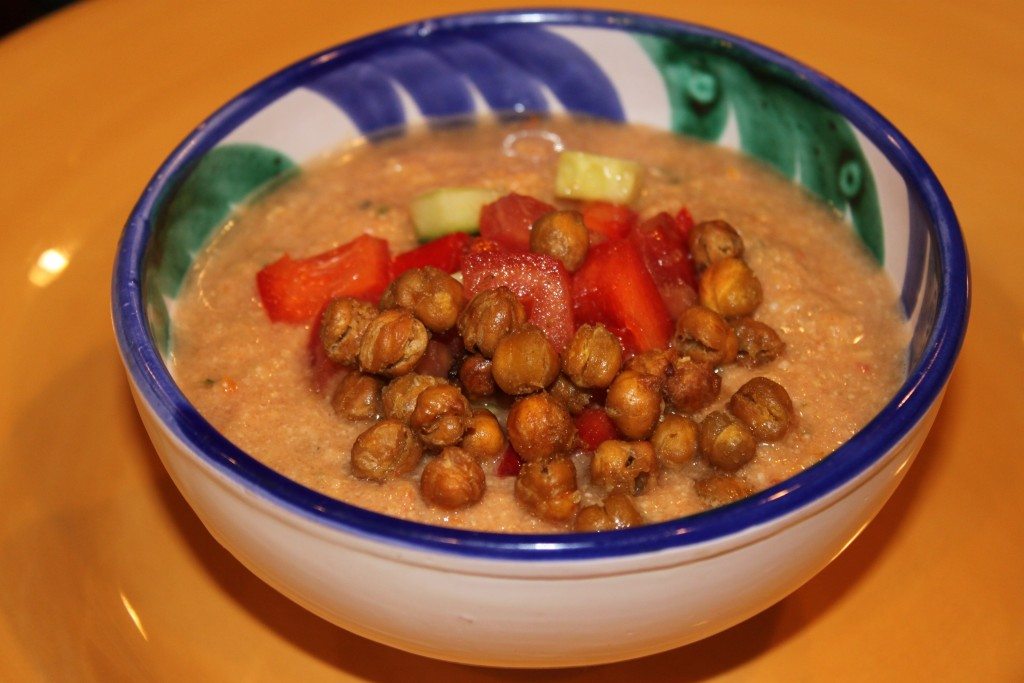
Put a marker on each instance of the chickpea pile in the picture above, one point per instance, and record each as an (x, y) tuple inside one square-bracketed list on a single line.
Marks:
[(421, 363)]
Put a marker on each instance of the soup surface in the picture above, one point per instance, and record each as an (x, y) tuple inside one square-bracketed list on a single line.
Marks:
[(832, 305)]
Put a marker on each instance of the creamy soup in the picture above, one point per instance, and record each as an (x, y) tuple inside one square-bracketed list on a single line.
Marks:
[(845, 340)]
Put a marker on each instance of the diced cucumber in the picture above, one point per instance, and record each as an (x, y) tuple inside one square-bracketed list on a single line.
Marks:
[(449, 209), (595, 177)]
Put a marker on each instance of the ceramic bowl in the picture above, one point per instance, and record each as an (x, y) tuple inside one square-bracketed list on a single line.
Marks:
[(520, 600)]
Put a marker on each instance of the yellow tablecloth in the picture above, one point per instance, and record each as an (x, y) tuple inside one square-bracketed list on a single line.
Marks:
[(105, 574)]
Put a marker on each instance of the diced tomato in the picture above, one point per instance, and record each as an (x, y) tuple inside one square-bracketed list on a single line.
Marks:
[(507, 220), (667, 258), (613, 287), (540, 281), (322, 370), (444, 253), (509, 464), (685, 223), (295, 290), (594, 427), (611, 220)]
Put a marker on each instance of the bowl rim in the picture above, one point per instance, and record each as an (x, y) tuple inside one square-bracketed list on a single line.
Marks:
[(923, 386)]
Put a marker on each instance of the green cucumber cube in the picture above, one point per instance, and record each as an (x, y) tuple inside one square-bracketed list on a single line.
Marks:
[(595, 177), (449, 209)]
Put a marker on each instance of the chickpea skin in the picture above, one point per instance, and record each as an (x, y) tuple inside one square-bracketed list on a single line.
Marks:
[(539, 427), (764, 407), (712, 241), (488, 317), (547, 489), (398, 398), (432, 295), (656, 362), (617, 512), (729, 287), (563, 235), (393, 343), (484, 439), (441, 415), (634, 403), (759, 344), (475, 375), (692, 386), (705, 336), (342, 326), (675, 440), (725, 442), (386, 450), (625, 466), (357, 397), (453, 480), (524, 361), (593, 358), (569, 395)]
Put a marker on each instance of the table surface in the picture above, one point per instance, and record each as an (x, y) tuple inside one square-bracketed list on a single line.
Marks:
[(105, 573)]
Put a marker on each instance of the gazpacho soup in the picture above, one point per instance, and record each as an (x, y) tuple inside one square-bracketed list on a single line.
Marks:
[(535, 326)]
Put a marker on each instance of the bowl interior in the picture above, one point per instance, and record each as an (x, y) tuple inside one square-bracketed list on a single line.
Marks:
[(620, 67)]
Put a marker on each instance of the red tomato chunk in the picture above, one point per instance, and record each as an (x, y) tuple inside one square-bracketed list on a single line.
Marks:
[(507, 220), (444, 253), (541, 282), (295, 290), (613, 287)]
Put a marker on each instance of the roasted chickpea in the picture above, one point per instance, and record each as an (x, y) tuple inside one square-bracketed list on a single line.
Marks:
[(705, 336), (386, 450), (634, 403), (431, 294), (342, 326), (393, 343), (759, 344), (539, 427), (569, 395), (655, 362), (476, 378), (729, 287), (675, 440), (692, 386), (547, 489), (721, 489), (764, 407), (437, 360), (625, 466), (524, 361), (617, 512), (453, 479), (399, 396), (593, 357), (563, 235), (484, 439), (725, 442), (357, 397), (441, 415), (712, 241), (489, 316)]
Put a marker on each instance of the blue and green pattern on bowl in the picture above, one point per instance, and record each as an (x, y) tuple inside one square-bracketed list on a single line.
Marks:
[(631, 69), (509, 599)]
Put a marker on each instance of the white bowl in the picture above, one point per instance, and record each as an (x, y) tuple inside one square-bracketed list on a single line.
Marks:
[(544, 600)]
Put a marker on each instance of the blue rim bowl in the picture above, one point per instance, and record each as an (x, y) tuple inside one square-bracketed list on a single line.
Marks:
[(924, 384)]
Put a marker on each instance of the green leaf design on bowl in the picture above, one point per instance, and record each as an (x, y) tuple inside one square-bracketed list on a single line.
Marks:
[(224, 178), (778, 122)]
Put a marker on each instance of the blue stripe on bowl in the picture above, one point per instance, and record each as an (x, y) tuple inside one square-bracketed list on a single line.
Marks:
[(334, 72), (504, 85)]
